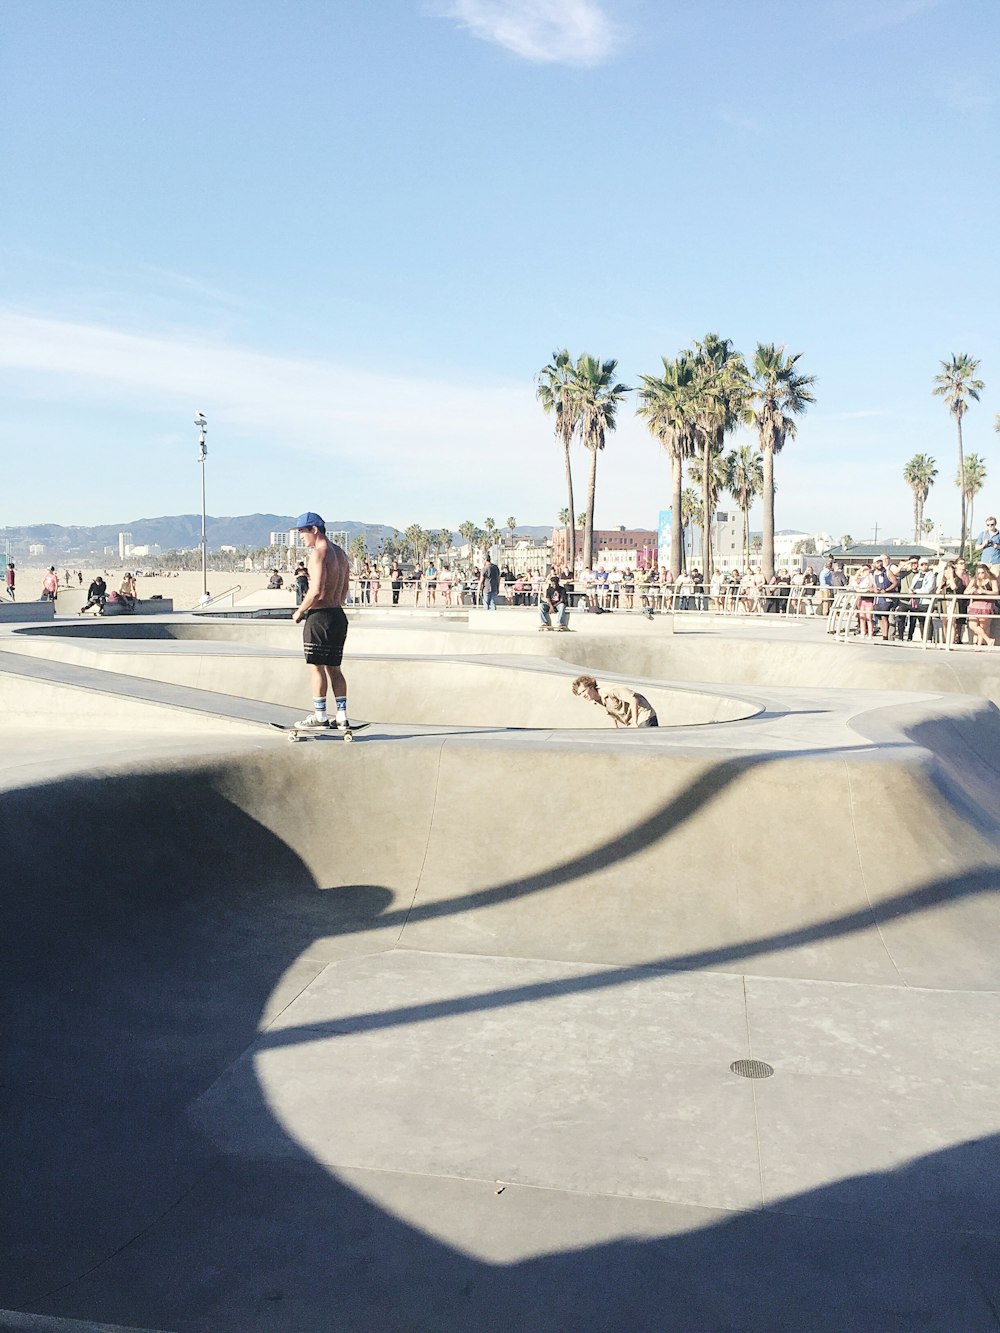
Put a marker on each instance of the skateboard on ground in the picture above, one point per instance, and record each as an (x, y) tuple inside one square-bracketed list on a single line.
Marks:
[(296, 732)]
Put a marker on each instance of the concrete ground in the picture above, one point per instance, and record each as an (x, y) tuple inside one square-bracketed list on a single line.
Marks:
[(434, 1031)]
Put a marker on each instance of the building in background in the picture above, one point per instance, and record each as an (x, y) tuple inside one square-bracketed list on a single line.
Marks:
[(523, 555), (124, 544), (626, 548)]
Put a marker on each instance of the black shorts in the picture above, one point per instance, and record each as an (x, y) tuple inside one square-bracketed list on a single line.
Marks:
[(324, 633)]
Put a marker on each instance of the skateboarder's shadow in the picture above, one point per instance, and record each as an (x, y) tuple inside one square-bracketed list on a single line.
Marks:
[(136, 974)]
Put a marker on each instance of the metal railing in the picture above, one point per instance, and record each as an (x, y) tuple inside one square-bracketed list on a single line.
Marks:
[(221, 597), (939, 618)]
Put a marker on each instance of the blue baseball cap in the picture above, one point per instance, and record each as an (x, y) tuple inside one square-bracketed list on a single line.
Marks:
[(309, 520)]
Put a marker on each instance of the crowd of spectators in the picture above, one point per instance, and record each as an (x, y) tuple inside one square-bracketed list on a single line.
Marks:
[(892, 600)]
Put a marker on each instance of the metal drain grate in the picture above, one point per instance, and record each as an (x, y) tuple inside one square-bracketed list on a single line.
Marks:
[(752, 1068)]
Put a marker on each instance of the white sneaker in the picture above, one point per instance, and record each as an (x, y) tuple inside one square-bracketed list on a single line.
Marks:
[(342, 723), (312, 722)]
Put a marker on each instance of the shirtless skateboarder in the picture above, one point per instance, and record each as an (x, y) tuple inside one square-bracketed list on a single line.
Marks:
[(625, 707), (324, 628)]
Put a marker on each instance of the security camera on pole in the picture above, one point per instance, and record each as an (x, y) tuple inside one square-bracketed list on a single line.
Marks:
[(202, 425)]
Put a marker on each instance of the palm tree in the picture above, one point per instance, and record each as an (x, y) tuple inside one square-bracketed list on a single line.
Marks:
[(581, 519), (665, 403), (597, 396), (975, 476), (468, 530), (919, 475), (954, 384), (716, 485), (744, 482), (720, 396), (779, 395), (511, 525), (490, 525), (554, 391)]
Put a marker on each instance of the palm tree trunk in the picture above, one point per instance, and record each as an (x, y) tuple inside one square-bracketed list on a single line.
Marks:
[(588, 532), (676, 519), (916, 516), (746, 537), (961, 479), (767, 499), (572, 511), (706, 521)]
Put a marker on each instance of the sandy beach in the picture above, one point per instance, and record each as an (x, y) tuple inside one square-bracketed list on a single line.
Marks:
[(184, 588)]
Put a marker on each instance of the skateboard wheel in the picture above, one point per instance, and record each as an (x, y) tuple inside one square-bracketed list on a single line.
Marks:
[(348, 736)]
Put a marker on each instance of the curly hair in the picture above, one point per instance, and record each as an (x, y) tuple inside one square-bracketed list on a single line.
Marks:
[(584, 682)]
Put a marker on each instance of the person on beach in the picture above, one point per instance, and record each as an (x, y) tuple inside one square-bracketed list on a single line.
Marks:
[(625, 707), (50, 585), (324, 628), (10, 580)]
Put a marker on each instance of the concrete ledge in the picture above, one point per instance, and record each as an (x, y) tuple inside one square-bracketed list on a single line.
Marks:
[(12, 613), (143, 607), (507, 620)]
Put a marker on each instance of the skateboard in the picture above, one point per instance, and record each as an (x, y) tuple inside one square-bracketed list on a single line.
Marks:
[(299, 733)]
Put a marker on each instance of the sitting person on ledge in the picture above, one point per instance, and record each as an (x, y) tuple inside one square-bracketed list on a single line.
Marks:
[(625, 707), (554, 602), (127, 593)]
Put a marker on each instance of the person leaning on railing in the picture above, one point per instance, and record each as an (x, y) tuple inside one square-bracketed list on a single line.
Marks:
[(884, 583), (949, 589), (923, 588), (982, 593)]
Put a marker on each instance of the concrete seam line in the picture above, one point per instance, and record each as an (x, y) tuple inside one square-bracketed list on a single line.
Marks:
[(119, 1249), (427, 842), (864, 877)]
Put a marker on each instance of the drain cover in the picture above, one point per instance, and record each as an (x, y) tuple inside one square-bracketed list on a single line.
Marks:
[(752, 1068)]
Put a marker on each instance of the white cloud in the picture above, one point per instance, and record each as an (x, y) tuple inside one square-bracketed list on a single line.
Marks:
[(566, 32), (312, 401), (404, 449)]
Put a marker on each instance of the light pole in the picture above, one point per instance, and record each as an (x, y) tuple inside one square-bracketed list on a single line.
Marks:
[(202, 425)]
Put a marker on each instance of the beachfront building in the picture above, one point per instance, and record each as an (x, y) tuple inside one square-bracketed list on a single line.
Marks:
[(863, 553), (622, 548), (521, 555)]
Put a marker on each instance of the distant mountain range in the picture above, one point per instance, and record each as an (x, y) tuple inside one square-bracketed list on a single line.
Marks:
[(183, 532)]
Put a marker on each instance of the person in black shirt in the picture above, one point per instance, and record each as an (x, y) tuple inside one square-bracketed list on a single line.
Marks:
[(554, 603)]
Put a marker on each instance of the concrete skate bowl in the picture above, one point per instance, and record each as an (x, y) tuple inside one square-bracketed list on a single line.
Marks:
[(420, 690), (385, 1036), (635, 650)]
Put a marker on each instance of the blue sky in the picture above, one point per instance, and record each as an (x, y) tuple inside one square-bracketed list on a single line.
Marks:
[(351, 232)]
